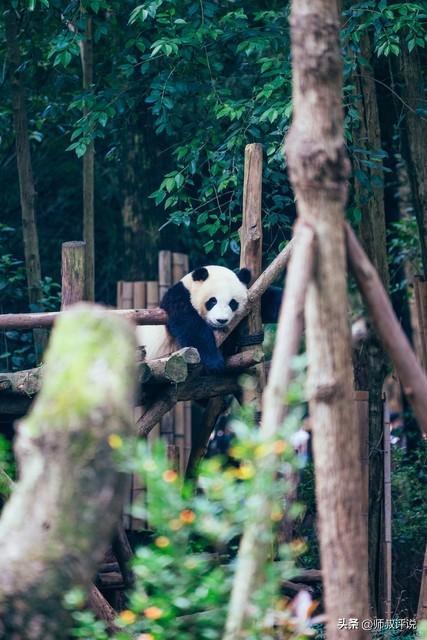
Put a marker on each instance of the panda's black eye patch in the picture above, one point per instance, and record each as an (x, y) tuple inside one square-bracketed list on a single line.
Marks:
[(233, 304), (210, 303)]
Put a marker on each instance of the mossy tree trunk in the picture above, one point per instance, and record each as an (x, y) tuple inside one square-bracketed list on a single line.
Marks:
[(63, 510), (319, 171)]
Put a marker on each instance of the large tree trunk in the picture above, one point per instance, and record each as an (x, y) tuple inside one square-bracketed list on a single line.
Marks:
[(319, 171), (140, 219), (62, 513), (86, 54), (370, 361), (25, 173), (416, 134)]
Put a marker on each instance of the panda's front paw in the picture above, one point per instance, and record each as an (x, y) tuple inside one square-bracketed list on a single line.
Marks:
[(214, 363)]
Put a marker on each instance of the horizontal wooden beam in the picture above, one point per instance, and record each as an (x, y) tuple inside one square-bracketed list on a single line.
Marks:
[(9, 321)]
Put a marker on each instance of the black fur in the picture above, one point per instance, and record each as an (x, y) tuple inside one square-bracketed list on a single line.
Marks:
[(270, 304), (200, 274), (188, 329), (244, 276)]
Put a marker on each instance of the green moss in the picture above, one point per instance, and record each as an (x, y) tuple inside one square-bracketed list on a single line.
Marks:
[(87, 361)]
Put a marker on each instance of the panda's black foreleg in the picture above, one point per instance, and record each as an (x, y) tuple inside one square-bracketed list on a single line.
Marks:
[(188, 329), (270, 304)]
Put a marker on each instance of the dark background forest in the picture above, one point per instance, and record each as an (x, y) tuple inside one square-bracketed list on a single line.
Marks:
[(164, 96)]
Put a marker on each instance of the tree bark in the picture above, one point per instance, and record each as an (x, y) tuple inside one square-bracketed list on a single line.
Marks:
[(86, 54), (62, 513), (27, 188), (319, 171), (370, 361)]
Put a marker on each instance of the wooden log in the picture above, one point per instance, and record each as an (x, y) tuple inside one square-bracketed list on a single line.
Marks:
[(173, 368), (25, 382), (72, 273), (395, 343), (43, 522), (46, 320), (102, 609)]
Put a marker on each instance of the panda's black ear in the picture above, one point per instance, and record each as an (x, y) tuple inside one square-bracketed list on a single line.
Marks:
[(200, 274), (244, 276)]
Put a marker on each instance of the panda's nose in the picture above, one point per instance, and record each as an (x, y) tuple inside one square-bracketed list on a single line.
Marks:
[(222, 320)]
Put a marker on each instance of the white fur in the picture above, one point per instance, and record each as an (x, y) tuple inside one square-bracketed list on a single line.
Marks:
[(222, 284)]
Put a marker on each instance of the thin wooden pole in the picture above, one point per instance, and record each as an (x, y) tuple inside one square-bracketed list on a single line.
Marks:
[(395, 343), (72, 273), (387, 518), (254, 546)]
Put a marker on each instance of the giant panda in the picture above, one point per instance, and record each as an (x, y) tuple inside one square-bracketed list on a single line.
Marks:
[(202, 301)]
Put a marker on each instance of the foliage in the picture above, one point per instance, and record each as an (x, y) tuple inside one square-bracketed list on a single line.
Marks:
[(393, 25), (184, 574), (7, 469), (404, 248), (17, 350), (409, 486)]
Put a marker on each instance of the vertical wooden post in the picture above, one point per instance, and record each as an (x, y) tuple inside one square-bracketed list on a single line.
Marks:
[(361, 401), (387, 519), (182, 411), (139, 297), (165, 272), (72, 273), (251, 252)]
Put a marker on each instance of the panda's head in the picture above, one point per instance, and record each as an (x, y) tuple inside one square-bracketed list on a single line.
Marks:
[(217, 293)]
